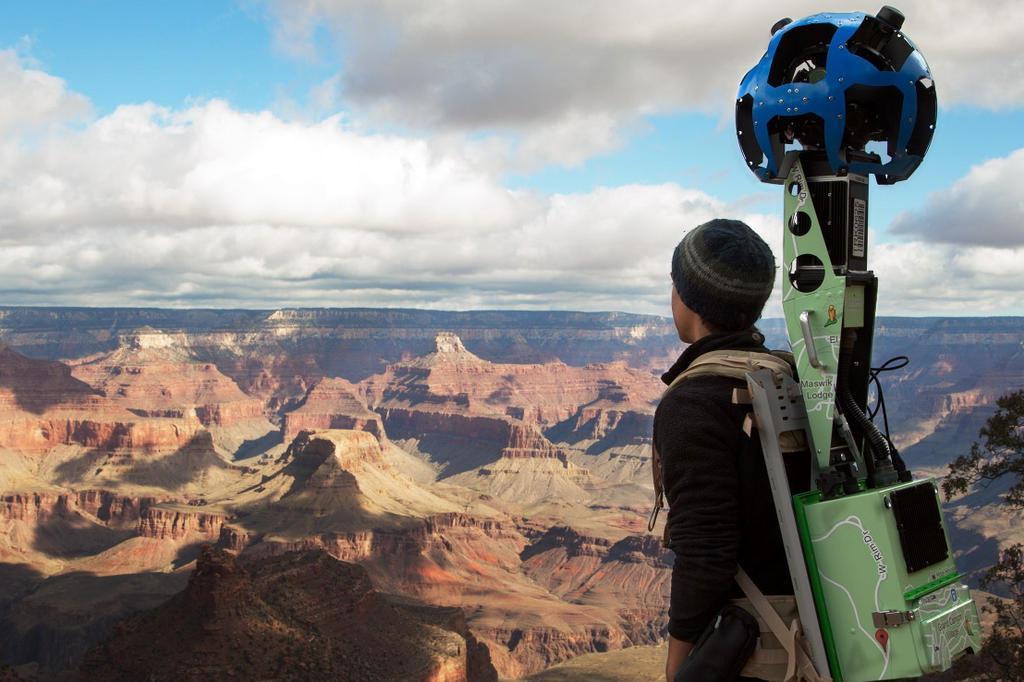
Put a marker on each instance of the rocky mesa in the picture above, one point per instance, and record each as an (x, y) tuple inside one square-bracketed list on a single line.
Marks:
[(298, 615)]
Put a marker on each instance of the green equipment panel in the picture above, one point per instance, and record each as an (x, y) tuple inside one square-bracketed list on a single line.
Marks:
[(890, 599)]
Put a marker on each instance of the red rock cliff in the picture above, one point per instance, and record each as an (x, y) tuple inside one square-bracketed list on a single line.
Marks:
[(332, 404), (153, 375), (42, 405), (165, 523)]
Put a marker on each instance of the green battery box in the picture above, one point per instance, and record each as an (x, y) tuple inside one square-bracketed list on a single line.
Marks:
[(890, 600)]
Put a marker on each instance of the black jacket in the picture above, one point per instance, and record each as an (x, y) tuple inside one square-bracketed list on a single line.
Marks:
[(720, 501)]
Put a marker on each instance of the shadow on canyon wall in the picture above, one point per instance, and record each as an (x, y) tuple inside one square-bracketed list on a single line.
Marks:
[(188, 464), (16, 580), (38, 385), (74, 536), (257, 446), (52, 622)]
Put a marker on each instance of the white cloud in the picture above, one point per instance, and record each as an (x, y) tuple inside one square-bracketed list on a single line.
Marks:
[(985, 207), (924, 278), (535, 66), (32, 99), (210, 205), (211, 164), (213, 206)]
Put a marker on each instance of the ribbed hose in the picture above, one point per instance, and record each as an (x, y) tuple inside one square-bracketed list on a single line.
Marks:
[(851, 410)]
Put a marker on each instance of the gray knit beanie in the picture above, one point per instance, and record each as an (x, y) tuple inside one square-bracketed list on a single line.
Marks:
[(724, 272)]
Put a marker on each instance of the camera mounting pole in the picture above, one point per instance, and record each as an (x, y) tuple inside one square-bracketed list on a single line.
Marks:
[(829, 302)]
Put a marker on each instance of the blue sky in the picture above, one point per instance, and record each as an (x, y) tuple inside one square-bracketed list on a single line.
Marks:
[(269, 57), (169, 53)]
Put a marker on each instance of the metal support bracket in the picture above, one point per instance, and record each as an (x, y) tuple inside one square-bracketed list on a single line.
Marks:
[(779, 408)]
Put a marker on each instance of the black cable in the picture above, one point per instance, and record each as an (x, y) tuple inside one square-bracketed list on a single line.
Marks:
[(854, 415), (893, 363)]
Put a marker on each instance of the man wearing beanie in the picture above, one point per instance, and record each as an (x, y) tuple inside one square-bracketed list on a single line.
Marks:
[(721, 512)]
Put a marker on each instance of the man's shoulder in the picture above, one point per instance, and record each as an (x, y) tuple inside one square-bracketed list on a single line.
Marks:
[(703, 387), (707, 392)]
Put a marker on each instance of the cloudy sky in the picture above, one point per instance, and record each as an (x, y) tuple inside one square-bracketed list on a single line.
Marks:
[(455, 153)]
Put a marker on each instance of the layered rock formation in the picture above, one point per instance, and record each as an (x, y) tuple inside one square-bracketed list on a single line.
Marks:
[(344, 490), (958, 367), (73, 564), (531, 477), (619, 416), (187, 471), (632, 575), (101, 506), (142, 418), (153, 375), (488, 424), (168, 523), (43, 406), (434, 558), (492, 568), (334, 480), (90, 528), (459, 442), (475, 564), (451, 379), (350, 490), (332, 404), (298, 615)]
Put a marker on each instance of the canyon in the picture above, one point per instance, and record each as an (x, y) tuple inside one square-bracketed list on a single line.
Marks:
[(480, 479)]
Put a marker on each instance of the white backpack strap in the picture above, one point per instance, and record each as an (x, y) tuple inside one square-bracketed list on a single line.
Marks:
[(799, 665), (732, 363)]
